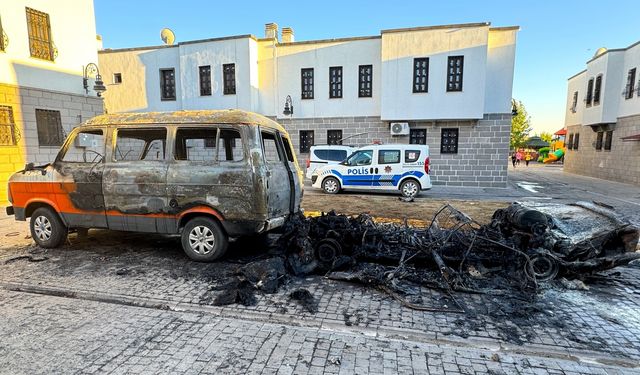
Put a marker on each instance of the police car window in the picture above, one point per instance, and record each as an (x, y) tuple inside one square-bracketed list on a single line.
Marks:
[(359, 158), (411, 156), (333, 155), (388, 156)]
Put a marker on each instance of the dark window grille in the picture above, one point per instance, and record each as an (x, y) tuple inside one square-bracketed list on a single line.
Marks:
[(335, 82), (607, 140), (449, 141), (574, 103), (570, 143), (306, 76), (365, 81), (39, 29), (576, 141), (2, 46), (334, 137), (596, 90), (589, 92), (418, 136), (117, 78), (8, 131), (168, 84), (421, 74), (455, 68), (49, 124), (599, 141), (306, 141), (631, 81), (229, 77), (205, 80)]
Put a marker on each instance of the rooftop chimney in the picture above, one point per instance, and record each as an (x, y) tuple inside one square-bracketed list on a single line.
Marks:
[(271, 30), (287, 35)]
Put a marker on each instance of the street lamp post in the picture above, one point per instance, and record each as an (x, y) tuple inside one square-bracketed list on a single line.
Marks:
[(92, 69)]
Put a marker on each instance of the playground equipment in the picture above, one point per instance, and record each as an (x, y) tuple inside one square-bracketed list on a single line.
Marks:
[(556, 155)]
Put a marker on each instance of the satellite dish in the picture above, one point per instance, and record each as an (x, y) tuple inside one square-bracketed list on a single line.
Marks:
[(167, 36), (600, 51)]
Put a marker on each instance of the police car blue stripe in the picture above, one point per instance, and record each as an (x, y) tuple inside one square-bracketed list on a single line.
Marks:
[(374, 180)]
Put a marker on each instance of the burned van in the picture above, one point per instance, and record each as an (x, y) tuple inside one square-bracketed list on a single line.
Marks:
[(206, 175)]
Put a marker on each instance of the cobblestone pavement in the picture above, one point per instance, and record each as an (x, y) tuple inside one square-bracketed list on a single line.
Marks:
[(46, 334), (101, 279)]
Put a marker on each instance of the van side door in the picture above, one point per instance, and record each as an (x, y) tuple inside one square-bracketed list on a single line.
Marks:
[(277, 174), (296, 179), (388, 167), (135, 180), (358, 170), (78, 181)]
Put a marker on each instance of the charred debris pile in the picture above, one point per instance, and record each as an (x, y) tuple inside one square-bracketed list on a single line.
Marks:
[(521, 247)]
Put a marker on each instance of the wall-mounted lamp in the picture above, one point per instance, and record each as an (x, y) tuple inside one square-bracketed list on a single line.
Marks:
[(514, 109), (92, 69), (288, 106)]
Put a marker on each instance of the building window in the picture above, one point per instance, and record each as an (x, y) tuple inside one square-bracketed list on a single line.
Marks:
[(229, 77), (599, 141), (449, 141), (418, 136), (365, 81), (49, 124), (607, 140), (570, 142), (421, 75), (589, 92), (205, 80), (335, 82), (306, 76), (631, 82), (306, 141), (8, 135), (574, 102), (168, 84), (576, 141), (454, 73), (117, 78), (596, 90), (334, 137), (39, 29)]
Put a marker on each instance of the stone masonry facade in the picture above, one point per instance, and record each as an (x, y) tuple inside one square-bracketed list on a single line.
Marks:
[(483, 145), (23, 102), (621, 163)]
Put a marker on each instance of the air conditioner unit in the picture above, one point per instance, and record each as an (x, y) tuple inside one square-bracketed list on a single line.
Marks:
[(399, 128)]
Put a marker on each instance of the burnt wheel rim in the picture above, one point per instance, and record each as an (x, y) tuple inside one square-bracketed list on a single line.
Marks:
[(409, 189), (202, 240), (42, 228), (544, 268), (330, 185)]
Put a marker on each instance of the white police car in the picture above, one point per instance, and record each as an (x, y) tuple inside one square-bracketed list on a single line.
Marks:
[(378, 167)]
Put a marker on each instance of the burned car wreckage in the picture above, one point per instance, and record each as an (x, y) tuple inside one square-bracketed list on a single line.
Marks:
[(521, 246)]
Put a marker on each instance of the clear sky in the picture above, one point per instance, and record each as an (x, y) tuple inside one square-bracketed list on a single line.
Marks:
[(556, 39)]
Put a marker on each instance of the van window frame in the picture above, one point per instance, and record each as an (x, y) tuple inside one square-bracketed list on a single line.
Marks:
[(114, 142), (281, 153), (221, 128), (72, 137), (190, 127)]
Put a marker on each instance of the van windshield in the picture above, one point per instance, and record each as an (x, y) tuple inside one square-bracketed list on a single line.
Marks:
[(358, 158)]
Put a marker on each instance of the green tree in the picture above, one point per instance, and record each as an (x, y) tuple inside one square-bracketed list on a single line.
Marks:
[(546, 136), (520, 125)]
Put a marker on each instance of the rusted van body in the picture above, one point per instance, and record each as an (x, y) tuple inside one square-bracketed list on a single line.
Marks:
[(156, 172)]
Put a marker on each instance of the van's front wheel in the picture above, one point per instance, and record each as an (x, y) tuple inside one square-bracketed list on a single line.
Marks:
[(46, 228), (410, 188), (331, 185), (203, 240)]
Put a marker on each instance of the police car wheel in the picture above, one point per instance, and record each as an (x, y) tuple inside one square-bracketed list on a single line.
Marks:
[(331, 185), (410, 188)]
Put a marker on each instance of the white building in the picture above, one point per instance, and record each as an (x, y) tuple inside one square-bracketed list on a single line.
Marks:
[(43, 48), (603, 116), (449, 85)]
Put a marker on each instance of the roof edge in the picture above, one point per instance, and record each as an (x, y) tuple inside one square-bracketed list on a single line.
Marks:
[(577, 74), (437, 27), (129, 49), (334, 40), (505, 28)]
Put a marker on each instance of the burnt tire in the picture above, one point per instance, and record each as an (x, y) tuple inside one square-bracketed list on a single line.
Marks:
[(47, 229), (544, 268), (410, 188), (203, 239), (331, 185)]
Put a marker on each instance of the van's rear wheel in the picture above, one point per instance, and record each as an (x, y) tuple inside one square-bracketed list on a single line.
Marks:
[(203, 240), (331, 185), (410, 188), (46, 228)]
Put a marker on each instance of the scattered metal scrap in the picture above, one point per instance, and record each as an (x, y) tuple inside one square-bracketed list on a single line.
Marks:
[(509, 256)]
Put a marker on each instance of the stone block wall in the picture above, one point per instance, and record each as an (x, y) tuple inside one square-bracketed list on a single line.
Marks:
[(24, 101), (483, 145), (621, 163)]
